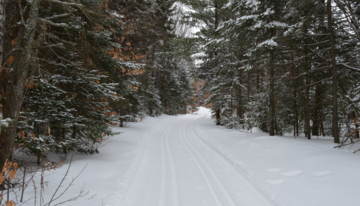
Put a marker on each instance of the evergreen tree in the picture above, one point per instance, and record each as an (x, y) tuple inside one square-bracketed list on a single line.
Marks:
[(83, 65), (281, 66)]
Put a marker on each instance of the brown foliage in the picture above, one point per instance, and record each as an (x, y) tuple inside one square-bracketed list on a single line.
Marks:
[(10, 60), (10, 203)]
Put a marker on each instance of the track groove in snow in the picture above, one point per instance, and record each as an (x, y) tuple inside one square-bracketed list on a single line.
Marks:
[(241, 171), (169, 173), (229, 201), (163, 159), (186, 160), (203, 172), (162, 197), (133, 171)]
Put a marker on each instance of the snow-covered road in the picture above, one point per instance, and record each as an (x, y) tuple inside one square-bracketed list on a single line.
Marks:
[(187, 161)]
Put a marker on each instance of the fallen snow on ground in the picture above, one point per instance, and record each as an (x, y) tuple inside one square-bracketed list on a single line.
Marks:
[(187, 161)]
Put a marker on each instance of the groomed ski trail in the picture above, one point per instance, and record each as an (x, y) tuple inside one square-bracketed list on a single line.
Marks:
[(186, 160), (179, 169)]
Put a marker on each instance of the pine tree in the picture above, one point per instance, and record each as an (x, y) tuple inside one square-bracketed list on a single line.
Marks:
[(272, 64)]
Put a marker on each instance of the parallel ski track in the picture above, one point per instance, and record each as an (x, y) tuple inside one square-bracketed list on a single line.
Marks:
[(174, 183), (162, 197), (194, 143), (134, 170), (240, 170), (168, 172), (209, 175)]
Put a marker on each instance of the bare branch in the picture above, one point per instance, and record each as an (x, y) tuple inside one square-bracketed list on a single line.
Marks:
[(61, 183), (65, 3), (346, 66), (46, 21)]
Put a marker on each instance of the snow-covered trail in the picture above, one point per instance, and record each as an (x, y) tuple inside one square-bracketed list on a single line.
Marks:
[(186, 160), (178, 168)]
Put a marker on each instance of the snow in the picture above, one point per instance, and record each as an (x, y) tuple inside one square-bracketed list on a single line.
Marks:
[(117, 15), (252, 2), (268, 11), (268, 43), (276, 24), (203, 112), (257, 130), (228, 4), (248, 17), (182, 28), (186, 160), (4, 122)]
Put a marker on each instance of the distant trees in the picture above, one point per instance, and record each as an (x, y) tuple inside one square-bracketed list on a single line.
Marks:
[(165, 83), (70, 68), (284, 66)]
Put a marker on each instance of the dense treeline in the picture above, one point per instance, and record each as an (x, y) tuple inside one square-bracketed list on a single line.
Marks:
[(283, 66), (70, 68)]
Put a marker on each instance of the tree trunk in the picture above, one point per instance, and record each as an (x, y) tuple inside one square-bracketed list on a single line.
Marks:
[(307, 69), (317, 111), (272, 130), (249, 86), (16, 77), (335, 81), (295, 107), (11, 108), (240, 109), (218, 117), (258, 80), (2, 30), (307, 108), (217, 20), (322, 128)]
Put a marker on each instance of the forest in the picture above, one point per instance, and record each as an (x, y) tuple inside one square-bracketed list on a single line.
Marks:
[(282, 66), (72, 70)]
